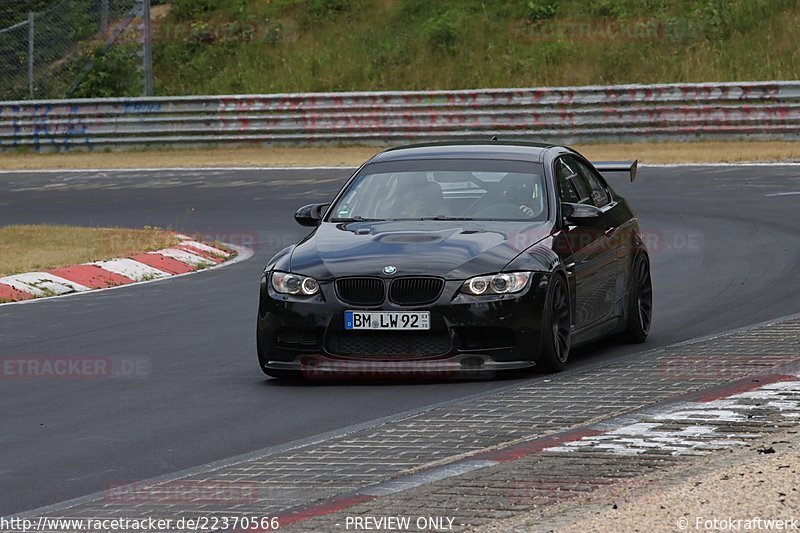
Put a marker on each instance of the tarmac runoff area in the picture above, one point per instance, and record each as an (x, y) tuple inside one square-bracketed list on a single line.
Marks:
[(290, 480), (727, 459), (701, 430)]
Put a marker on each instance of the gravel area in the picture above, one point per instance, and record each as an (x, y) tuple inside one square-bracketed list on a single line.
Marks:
[(746, 487)]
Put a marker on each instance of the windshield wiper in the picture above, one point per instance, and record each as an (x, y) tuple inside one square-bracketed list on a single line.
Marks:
[(357, 219), (445, 217)]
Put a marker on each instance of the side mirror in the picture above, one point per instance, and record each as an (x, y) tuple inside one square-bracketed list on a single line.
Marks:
[(580, 213), (310, 215)]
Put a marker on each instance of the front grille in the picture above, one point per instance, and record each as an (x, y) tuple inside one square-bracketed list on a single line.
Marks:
[(388, 344), (415, 291), (360, 291)]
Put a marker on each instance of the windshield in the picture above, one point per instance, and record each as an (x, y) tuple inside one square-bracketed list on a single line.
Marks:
[(445, 189)]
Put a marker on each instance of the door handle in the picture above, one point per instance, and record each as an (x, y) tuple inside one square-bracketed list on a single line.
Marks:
[(610, 230)]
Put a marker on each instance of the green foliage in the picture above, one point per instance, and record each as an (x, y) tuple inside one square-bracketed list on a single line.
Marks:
[(192, 9), (12, 12), (442, 32), (317, 12), (255, 46), (607, 9), (114, 73), (539, 10)]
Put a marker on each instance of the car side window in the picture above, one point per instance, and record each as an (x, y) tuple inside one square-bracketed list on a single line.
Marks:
[(572, 184), (566, 188), (598, 191)]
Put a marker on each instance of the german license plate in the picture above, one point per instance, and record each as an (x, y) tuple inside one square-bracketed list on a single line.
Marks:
[(393, 320)]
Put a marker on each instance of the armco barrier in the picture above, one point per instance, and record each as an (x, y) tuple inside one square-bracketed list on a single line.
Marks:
[(761, 110)]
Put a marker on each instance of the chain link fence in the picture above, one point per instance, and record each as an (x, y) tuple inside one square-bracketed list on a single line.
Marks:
[(14, 61), (46, 52)]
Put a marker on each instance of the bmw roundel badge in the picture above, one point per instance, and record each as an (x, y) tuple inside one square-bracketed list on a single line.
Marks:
[(389, 269)]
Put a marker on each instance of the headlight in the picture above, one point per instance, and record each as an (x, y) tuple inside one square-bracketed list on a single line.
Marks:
[(286, 283), (503, 283)]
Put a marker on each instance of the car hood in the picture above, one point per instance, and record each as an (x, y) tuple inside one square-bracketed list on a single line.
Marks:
[(452, 249)]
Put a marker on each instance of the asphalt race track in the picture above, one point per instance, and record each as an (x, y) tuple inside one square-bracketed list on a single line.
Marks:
[(724, 249)]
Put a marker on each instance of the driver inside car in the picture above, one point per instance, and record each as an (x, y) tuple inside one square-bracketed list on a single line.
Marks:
[(515, 194), (416, 197)]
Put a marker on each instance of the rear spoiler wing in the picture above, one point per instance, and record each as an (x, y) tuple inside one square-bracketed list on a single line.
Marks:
[(618, 166)]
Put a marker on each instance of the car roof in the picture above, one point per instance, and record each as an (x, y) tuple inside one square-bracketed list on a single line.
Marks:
[(518, 151)]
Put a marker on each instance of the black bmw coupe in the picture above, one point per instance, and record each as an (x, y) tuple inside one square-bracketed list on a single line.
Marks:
[(456, 258)]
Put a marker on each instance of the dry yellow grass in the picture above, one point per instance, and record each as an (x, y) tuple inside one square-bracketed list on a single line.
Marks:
[(210, 157), (695, 152), (40, 247), (668, 152)]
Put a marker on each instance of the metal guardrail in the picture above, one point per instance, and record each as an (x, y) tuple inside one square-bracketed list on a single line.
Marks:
[(762, 110)]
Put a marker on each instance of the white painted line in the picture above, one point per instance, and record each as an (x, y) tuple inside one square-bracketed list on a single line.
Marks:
[(725, 404), (173, 169), (737, 164), (48, 283), (773, 390), (784, 193), (353, 167), (185, 257), (131, 269), (643, 436), (704, 415), (695, 428), (205, 247), (422, 478)]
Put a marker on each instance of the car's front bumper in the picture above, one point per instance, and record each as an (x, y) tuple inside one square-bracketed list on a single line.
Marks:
[(468, 335), (322, 367)]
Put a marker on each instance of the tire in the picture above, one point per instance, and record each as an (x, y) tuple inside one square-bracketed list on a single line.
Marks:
[(556, 327), (639, 310)]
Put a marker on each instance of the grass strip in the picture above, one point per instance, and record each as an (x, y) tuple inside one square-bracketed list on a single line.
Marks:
[(265, 156), (33, 248)]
